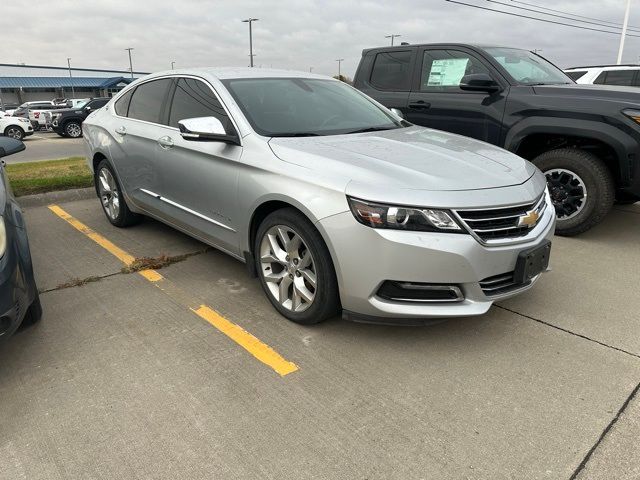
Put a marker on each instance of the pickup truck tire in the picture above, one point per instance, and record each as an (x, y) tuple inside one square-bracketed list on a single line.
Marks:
[(14, 131), (581, 186), (73, 129)]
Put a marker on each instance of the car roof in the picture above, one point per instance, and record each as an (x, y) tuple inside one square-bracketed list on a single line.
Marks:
[(478, 46), (629, 66), (225, 73)]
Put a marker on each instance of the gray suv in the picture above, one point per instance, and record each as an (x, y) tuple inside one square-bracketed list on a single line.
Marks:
[(332, 200)]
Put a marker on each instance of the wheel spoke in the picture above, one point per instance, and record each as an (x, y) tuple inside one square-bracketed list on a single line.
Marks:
[(297, 300), (294, 245), (104, 182), (302, 290), (283, 289), (279, 253), (305, 260), (284, 238), (275, 277), (309, 276)]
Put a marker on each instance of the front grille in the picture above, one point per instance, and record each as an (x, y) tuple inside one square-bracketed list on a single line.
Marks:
[(499, 284), (505, 222)]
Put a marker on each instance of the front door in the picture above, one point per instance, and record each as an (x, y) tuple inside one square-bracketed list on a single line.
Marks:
[(436, 100)]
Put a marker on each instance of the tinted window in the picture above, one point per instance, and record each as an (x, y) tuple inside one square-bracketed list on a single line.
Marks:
[(391, 71), (576, 75), (148, 100), (442, 70), (194, 99), (619, 77), (122, 104), (600, 79), (527, 67), (95, 104)]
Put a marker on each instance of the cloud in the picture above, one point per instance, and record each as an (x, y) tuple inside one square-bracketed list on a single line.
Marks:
[(290, 34)]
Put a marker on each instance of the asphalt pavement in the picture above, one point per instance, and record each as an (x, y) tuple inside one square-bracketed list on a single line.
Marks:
[(128, 377), (48, 146)]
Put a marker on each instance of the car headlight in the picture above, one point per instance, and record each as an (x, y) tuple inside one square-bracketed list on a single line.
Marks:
[(377, 215), (3, 237), (24, 120)]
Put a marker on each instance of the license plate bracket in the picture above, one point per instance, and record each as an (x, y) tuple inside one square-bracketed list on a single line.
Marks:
[(532, 262)]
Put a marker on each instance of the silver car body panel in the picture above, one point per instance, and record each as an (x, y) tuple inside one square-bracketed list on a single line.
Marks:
[(211, 190)]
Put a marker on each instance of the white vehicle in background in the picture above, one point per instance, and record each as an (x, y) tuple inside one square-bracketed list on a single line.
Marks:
[(15, 127), (620, 75)]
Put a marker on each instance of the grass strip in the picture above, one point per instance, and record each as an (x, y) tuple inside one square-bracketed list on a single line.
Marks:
[(48, 176)]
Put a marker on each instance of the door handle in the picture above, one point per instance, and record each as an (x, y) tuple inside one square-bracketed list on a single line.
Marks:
[(165, 142), (420, 105), (121, 131)]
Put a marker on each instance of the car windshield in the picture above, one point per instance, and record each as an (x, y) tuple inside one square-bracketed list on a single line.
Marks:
[(297, 107), (528, 68)]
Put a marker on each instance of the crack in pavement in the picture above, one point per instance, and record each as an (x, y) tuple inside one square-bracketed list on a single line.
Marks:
[(624, 406), (140, 263), (570, 332), (604, 433)]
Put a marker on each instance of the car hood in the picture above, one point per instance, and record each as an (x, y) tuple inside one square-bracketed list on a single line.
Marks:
[(409, 158)]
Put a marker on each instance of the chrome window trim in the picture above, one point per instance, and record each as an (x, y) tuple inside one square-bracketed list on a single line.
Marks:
[(186, 209), (176, 77)]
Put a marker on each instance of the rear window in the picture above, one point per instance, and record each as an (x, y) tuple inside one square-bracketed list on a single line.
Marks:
[(148, 100), (616, 77), (576, 75), (122, 104), (391, 71)]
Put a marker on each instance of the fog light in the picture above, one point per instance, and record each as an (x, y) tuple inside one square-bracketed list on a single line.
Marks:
[(419, 292)]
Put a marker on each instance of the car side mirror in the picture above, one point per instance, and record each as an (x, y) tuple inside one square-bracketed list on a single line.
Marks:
[(87, 109), (397, 112), (206, 129), (479, 82), (9, 146)]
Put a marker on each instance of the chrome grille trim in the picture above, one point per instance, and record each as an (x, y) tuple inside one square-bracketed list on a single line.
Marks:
[(500, 225)]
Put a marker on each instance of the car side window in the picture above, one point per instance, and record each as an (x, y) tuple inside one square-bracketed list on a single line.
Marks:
[(619, 77), (148, 100), (442, 70), (98, 104), (600, 79), (122, 104), (193, 99), (391, 71)]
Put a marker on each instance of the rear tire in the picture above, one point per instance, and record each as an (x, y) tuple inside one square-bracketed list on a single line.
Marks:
[(581, 186), (302, 284), (113, 202), (73, 129), (14, 131)]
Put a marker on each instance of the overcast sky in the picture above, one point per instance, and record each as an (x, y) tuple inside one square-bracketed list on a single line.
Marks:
[(291, 34)]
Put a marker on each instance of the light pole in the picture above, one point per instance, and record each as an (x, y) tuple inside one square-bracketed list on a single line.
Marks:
[(310, 69), (130, 62), (624, 31), (339, 60), (249, 21), (392, 36), (172, 64), (73, 91)]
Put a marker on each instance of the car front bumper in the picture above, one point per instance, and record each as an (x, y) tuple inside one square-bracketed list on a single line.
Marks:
[(365, 258)]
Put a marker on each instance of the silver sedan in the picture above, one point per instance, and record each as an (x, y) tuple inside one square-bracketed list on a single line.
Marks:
[(333, 201)]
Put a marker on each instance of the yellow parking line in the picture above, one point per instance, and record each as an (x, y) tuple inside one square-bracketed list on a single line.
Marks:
[(250, 343)]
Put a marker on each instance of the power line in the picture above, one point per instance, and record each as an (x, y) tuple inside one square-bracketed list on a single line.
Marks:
[(556, 16), (538, 19), (616, 24)]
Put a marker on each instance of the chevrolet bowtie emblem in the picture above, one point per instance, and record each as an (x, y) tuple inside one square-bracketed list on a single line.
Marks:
[(529, 220)]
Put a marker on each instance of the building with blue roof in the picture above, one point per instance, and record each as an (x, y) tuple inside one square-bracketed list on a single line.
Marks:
[(26, 83)]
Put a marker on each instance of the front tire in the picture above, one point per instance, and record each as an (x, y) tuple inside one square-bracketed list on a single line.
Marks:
[(73, 129), (113, 203), (34, 313), (14, 131), (581, 187), (295, 268)]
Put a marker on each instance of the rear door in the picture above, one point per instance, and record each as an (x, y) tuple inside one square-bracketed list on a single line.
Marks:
[(436, 100), (137, 126)]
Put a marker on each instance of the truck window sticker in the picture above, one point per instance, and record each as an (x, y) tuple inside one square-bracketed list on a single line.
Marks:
[(446, 72)]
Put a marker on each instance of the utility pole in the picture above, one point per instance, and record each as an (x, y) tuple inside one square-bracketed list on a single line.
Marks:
[(392, 36), (310, 69), (624, 31), (340, 60), (73, 90), (130, 62), (249, 21), (172, 64)]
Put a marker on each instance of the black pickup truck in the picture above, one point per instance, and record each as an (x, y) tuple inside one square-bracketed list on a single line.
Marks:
[(586, 139), (67, 122)]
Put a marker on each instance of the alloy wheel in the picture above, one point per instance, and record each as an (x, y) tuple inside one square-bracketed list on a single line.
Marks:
[(568, 192), (14, 132), (109, 194), (288, 268), (74, 130)]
